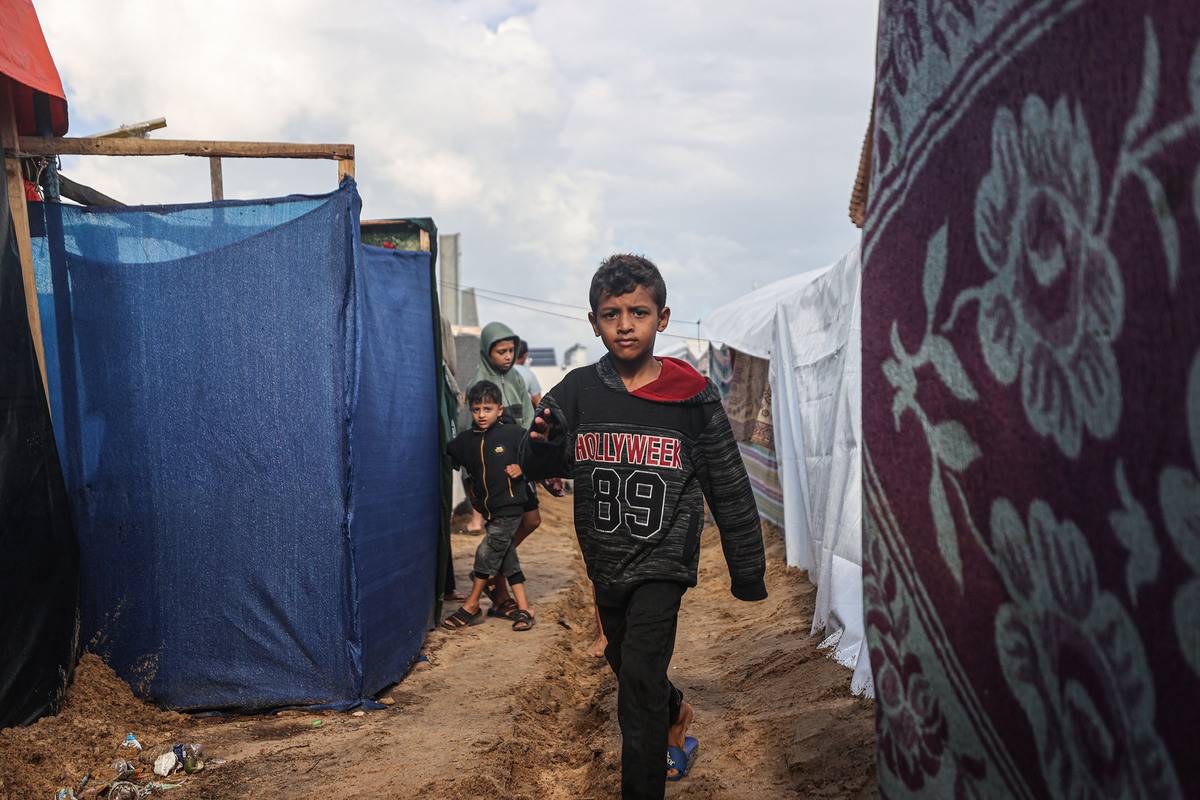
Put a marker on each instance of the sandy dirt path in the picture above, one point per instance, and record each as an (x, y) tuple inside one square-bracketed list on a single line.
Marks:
[(513, 715), (447, 711), (775, 717)]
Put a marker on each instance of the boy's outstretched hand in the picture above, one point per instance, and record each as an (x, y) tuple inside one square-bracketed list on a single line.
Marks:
[(513, 470), (541, 426)]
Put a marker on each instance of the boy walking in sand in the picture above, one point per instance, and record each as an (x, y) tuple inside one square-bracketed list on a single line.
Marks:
[(489, 453), (497, 355), (647, 441)]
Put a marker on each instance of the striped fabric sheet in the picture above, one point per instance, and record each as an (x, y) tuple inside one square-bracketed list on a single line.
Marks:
[(764, 479)]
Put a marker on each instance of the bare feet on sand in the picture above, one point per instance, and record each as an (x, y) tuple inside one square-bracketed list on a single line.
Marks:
[(678, 731)]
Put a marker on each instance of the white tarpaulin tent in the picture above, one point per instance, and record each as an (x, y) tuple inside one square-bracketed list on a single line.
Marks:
[(810, 327), (747, 324)]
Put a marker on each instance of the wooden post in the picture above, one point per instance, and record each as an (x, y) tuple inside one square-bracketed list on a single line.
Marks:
[(214, 175), (423, 240), (345, 167), (20, 217)]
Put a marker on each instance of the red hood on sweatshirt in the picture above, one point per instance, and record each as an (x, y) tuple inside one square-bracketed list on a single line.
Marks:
[(678, 381)]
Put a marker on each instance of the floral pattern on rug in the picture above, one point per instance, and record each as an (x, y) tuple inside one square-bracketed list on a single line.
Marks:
[(1031, 381)]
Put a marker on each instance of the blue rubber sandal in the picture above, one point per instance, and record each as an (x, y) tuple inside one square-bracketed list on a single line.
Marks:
[(681, 759)]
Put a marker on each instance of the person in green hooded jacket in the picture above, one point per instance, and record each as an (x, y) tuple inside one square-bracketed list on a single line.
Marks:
[(497, 354)]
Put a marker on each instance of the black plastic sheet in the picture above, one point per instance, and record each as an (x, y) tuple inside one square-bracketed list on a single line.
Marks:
[(39, 556)]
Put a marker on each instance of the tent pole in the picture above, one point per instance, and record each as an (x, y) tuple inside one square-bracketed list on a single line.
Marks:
[(20, 216)]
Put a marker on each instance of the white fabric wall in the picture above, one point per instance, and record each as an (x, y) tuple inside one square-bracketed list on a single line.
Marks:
[(810, 326), (816, 385)]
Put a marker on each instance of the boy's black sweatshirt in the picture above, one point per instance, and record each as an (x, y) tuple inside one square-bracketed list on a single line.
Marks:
[(484, 455), (643, 464)]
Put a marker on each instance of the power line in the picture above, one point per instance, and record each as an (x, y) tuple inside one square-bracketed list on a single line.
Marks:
[(478, 289), (538, 310), (566, 316), (460, 287)]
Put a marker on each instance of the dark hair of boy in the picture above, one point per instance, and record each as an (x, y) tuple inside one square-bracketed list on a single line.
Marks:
[(522, 349), (622, 273), (483, 392)]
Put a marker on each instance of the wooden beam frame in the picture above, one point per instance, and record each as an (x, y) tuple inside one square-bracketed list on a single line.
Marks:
[(87, 146), (213, 150), (16, 147)]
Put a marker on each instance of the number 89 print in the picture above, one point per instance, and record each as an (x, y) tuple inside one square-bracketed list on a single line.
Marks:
[(638, 500)]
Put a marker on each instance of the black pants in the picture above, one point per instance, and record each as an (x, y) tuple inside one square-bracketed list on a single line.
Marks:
[(641, 638)]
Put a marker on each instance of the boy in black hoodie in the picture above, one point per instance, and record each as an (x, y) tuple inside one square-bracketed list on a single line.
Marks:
[(647, 441), (489, 451)]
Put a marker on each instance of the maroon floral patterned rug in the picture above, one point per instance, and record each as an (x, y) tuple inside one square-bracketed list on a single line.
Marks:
[(1031, 377)]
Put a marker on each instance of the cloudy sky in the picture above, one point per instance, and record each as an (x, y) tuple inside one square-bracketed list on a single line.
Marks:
[(719, 139)]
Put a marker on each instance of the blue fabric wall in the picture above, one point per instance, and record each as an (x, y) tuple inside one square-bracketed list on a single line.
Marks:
[(205, 373), (395, 441)]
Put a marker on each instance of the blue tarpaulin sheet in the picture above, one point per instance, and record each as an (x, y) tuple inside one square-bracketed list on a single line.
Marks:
[(396, 461), (245, 403)]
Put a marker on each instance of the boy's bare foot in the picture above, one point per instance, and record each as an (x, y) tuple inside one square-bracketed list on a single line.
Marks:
[(597, 648), (678, 731)]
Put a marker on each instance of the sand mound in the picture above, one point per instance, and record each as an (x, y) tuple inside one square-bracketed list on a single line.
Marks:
[(58, 751)]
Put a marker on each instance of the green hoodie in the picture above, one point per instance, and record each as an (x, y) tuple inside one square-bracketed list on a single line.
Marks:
[(512, 385)]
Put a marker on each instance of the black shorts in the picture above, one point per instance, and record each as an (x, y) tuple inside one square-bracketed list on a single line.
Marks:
[(531, 504)]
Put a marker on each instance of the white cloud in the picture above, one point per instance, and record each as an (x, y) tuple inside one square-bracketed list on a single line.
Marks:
[(719, 139)]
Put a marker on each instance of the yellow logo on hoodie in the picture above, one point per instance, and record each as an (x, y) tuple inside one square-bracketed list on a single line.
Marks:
[(499, 449)]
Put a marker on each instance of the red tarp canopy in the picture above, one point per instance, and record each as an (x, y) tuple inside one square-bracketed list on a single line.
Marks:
[(25, 58)]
